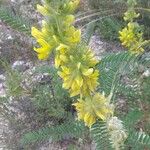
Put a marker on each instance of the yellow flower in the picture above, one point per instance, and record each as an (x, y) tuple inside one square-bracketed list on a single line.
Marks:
[(79, 81), (71, 6), (77, 69), (62, 48), (36, 33), (45, 49), (43, 10), (132, 38), (93, 108), (72, 35), (45, 32), (61, 57), (45, 41), (130, 15)]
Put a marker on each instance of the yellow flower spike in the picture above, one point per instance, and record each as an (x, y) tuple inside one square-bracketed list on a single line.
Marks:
[(132, 39), (43, 10)]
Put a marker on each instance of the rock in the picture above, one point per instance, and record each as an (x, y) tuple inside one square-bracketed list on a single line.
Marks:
[(2, 90), (97, 46), (20, 65), (146, 73), (2, 78)]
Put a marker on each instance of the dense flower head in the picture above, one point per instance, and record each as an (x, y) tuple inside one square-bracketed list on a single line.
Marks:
[(131, 37), (91, 108), (130, 15), (77, 69), (117, 132), (57, 28), (44, 40)]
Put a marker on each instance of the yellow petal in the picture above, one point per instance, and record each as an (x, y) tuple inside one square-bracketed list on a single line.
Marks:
[(63, 58), (69, 19), (77, 36), (65, 70), (79, 80), (62, 48), (100, 115), (87, 72), (36, 33), (43, 10), (43, 49), (42, 56), (43, 43), (92, 120), (74, 93), (57, 61)]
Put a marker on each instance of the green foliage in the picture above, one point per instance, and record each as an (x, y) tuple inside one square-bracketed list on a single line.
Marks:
[(71, 129), (145, 17), (138, 140), (131, 119), (108, 28), (113, 67), (109, 22), (145, 89), (15, 21), (116, 69), (101, 136), (53, 101), (49, 96), (13, 81)]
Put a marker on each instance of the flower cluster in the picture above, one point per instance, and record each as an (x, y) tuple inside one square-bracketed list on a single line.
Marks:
[(56, 29), (132, 39), (132, 35), (74, 60), (117, 132), (97, 106)]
